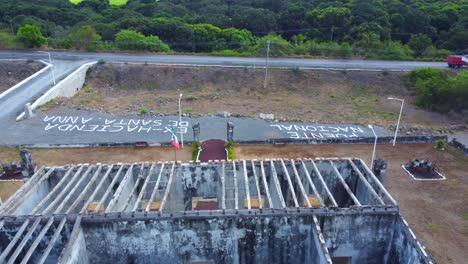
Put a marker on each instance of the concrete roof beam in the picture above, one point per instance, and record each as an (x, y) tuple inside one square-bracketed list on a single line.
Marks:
[(118, 192), (87, 188), (38, 239), (257, 186), (72, 192), (64, 191), (364, 180), (168, 187), (311, 183), (23, 242), (143, 188), (247, 189), (277, 184), (52, 241), (345, 185), (13, 242), (54, 190), (265, 184), (96, 191), (324, 185), (155, 189)]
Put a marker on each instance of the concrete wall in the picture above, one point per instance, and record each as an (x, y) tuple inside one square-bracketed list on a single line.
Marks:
[(68, 87), (364, 238), (402, 249), (233, 240)]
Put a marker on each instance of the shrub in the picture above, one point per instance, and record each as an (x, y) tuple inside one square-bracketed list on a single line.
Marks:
[(143, 111), (440, 144), (31, 36), (101, 61), (230, 150), (195, 149)]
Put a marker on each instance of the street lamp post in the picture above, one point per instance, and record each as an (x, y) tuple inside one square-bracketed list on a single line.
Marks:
[(399, 116), (51, 65), (266, 64), (180, 123), (375, 145)]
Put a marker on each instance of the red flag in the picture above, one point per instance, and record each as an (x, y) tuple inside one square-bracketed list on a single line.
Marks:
[(175, 143)]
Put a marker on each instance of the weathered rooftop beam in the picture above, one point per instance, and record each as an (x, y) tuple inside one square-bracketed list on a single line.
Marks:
[(168, 187), (143, 188), (247, 189), (376, 196), (64, 191), (26, 238), (36, 242), (291, 187), (382, 188), (13, 242), (87, 188), (109, 188), (69, 196), (96, 191), (135, 186), (236, 189), (322, 181), (223, 185), (322, 240), (54, 190), (311, 183), (277, 184), (75, 236), (265, 184), (155, 189), (13, 200), (118, 192), (345, 185), (22, 198), (299, 182), (53, 240), (257, 186)]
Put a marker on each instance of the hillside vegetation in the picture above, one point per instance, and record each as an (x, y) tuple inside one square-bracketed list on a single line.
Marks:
[(397, 29)]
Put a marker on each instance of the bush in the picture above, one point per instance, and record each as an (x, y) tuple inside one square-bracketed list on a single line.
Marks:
[(435, 90), (101, 61), (440, 144), (31, 36), (143, 111), (8, 41), (230, 150), (195, 149), (133, 40)]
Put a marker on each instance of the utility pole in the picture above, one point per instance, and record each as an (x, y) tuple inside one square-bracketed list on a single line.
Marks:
[(180, 123), (331, 34), (375, 145), (51, 65), (399, 116), (266, 68)]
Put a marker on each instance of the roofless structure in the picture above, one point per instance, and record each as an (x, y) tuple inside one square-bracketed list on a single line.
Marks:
[(244, 211)]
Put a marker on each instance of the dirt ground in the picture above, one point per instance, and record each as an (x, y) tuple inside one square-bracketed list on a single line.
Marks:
[(291, 95), (13, 72), (436, 210)]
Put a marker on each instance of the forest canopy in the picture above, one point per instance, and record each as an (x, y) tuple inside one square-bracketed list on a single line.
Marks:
[(390, 29)]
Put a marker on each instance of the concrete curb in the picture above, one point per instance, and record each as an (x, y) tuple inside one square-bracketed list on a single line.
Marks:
[(460, 146), (43, 99), (383, 140), (18, 85)]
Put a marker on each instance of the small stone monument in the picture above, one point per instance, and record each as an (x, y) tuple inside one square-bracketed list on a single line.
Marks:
[(196, 132), (230, 131)]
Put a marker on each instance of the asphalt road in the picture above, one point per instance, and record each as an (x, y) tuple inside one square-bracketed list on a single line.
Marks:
[(36, 131), (230, 61)]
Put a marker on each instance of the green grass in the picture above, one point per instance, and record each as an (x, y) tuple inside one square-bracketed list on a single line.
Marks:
[(433, 228)]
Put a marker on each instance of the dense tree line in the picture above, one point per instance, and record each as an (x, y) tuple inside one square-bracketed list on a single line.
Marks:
[(393, 29)]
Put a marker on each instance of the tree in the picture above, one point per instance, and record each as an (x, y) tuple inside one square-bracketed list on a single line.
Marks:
[(133, 40), (278, 46), (419, 43), (31, 36), (85, 38)]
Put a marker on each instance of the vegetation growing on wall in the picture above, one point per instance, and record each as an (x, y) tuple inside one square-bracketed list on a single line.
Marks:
[(195, 150), (366, 28), (230, 150)]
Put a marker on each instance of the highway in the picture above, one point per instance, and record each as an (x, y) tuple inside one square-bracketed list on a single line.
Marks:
[(342, 64)]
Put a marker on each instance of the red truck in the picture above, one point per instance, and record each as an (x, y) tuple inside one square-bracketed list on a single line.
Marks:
[(455, 61)]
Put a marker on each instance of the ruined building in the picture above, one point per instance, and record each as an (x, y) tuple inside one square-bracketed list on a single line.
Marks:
[(249, 211)]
